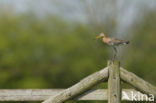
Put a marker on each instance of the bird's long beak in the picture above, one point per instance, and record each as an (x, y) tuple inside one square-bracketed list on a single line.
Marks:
[(98, 37)]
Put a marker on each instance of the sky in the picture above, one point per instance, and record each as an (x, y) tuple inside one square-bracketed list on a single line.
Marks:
[(127, 12)]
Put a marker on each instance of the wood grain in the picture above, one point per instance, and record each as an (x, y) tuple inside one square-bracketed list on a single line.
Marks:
[(79, 88), (114, 89)]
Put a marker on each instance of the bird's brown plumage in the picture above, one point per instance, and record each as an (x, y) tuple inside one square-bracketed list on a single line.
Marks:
[(111, 41)]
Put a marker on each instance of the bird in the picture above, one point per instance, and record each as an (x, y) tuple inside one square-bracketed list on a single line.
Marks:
[(113, 42)]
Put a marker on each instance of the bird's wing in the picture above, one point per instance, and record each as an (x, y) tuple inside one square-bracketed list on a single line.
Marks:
[(118, 41), (114, 41)]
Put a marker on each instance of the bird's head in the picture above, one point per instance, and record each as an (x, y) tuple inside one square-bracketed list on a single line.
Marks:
[(101, 35)]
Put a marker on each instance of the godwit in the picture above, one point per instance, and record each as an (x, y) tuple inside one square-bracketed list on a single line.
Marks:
[(113, 42)]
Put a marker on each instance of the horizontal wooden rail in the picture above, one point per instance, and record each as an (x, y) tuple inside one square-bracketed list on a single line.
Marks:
[(43, 94)]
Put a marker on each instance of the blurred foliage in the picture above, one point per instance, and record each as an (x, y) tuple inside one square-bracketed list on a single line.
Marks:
[(141, 58), (54, 53), (47, 53)]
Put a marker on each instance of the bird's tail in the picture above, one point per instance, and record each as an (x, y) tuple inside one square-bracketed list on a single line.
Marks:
[(125, 42)]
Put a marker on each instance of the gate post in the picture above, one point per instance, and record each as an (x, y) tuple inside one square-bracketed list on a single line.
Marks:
[(114, 90)]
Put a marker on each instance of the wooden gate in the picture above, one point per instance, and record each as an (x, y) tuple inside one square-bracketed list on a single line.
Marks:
[(113, 73)]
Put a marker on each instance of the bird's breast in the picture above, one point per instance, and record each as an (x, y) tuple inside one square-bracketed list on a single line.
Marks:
[(104, 40)]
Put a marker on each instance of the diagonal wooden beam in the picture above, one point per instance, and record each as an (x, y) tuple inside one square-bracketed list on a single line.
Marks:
[(79, 88), (137, 82)]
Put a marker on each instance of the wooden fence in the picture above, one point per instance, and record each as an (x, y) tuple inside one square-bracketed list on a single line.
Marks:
[(113, 73)]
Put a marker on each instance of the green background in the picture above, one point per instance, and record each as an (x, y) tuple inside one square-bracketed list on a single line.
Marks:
[(56, 53)]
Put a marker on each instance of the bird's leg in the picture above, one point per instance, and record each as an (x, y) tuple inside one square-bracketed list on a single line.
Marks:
[(114, 53)]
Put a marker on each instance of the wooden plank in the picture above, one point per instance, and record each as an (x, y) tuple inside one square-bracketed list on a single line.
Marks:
[(137, 82), (114, 91), (79, 88), (42, 94)]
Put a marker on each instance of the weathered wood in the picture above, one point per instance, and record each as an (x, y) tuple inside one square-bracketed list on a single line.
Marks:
[(42, 94), (114, 91), (80, 87), (61, 95), (137, 82)]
